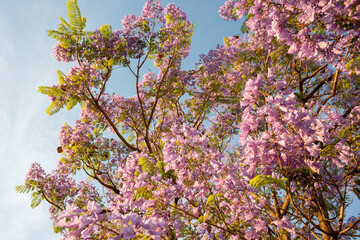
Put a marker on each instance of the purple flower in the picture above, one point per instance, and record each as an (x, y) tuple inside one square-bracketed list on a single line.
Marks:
[(128, 232), (285, 224)]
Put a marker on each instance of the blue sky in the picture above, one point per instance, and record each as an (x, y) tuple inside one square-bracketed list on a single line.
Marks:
[(26, 62)]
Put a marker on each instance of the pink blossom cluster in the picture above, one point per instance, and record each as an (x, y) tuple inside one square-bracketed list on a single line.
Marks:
[(259, 141), (322, 30)]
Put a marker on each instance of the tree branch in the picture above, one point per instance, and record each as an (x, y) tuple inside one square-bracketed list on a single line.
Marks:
[(317, 88), (337, 73), (97, 105)]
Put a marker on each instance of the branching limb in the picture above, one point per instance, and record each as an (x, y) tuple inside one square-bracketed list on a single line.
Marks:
[(301, 82), (52, 203), (95, 103), (312, 93), (143, 114), (351, 226), (336, 78), (114, 189)]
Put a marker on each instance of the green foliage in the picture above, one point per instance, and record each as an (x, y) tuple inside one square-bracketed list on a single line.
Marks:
[(23, 189), (57, 94), (54, 107), (106, 30), (146, 165), (226, 41), (57, 229), (72, 102), (279, 52), (356, 188), (170, 174), (264, 180), (300, 96), (244, 28), (347, 132), (143, 193), (161, 166), (73, 28), (227, 100), (188, 232), (210, 200), (350, 66), (61, 77), (50, 91), (60, 100), (202, 219), (36, 199), (77, 22)]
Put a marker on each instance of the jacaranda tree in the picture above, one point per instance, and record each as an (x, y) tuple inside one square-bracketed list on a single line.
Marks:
[(259, 141)]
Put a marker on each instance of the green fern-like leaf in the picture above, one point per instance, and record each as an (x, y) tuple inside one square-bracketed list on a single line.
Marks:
[(146, 165), (188, 233), (54, 107), (57, 229), (50, 91), (77, 22), (202, 218), (59, 103), (45, 90), (275, 55), (72, 28), (161, 167), (23, 189), (106, 30), (35, 199), (143, 193), (64, 26), (61, 77), (72, 103), (210, 200), (55, 34), (264, 180), (244, 28)]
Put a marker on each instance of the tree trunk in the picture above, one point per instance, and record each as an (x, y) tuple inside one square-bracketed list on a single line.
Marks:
[(323, 217)]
